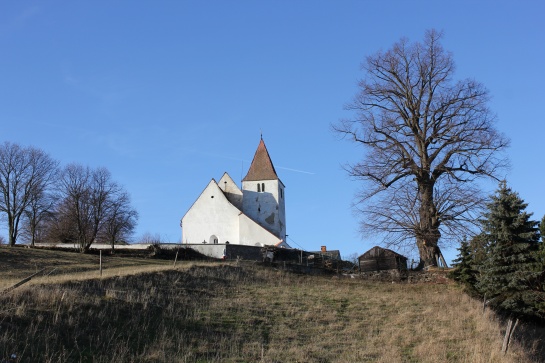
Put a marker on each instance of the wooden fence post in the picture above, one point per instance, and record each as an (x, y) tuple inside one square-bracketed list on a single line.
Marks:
[(508, 334), (176, 258), (23, 281)]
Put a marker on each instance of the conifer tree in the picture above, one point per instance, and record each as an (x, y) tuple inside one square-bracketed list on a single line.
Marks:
[(509, 275), (464, 267), (541, 255), (542, 229)]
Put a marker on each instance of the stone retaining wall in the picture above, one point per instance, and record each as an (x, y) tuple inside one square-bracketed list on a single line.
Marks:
[(407, 276)]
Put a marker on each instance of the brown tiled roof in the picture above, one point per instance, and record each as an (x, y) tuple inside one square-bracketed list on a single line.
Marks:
[(262, 167)]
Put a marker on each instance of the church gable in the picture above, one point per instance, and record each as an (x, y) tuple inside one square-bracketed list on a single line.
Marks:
[(200, 197), (231, 190), (211, 218)]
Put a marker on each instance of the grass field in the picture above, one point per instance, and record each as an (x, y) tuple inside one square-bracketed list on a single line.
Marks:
[(19, 262), (236, 313)]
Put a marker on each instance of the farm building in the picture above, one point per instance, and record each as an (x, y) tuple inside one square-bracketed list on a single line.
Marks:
[(381, 259)]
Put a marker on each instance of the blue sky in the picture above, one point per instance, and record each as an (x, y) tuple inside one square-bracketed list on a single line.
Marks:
[(169, 94)]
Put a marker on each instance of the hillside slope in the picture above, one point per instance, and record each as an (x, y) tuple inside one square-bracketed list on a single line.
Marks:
[(230, 313)]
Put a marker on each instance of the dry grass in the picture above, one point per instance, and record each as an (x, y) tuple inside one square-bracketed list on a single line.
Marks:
[(229, 313), (17, 263)]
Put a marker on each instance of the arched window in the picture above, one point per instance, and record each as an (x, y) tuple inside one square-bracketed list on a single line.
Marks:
[(262, 187), (258, 187)]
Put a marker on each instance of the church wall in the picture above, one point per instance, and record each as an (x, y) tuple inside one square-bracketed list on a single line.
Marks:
[(281, 209), (211, 215), (253, 234), (267, 207)]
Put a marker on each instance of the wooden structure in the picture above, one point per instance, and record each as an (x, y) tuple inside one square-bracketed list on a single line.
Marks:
[(328, 254), (381, 259)]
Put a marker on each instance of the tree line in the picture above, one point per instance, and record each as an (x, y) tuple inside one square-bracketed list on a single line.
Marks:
[(504, 264), (40, 201)]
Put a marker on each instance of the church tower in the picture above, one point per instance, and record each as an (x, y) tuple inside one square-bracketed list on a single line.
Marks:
[(263, 194)]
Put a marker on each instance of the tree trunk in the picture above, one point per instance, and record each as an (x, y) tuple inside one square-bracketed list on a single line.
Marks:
[(428, 251), (32, 234), (113, 245), (428, 234), (12, 236), (508, 334)]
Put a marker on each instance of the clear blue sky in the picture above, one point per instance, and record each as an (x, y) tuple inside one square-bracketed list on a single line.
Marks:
[(169, 94)]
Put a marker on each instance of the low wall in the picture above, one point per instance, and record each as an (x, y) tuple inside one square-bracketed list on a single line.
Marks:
[(105, 246), (211, 250)]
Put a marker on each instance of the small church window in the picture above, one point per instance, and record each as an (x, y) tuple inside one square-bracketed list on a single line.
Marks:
[(258, 188), (281, 193), (262, 187)]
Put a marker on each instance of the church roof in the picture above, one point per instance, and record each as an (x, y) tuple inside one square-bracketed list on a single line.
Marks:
[(262, 167)]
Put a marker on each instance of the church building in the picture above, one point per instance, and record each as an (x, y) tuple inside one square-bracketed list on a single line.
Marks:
[(226, 215)]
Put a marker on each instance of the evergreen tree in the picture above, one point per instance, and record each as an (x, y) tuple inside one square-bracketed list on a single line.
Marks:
[(542, 229), (464, 267), (510, 274), (541, 255)]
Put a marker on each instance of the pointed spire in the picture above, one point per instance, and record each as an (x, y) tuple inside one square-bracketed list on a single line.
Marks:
[(262, 167)]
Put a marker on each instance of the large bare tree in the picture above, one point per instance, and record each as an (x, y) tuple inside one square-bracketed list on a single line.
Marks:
[(427, 139), (82, 213), (25, 173)]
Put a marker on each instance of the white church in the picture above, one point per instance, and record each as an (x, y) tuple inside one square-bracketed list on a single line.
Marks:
[(226, 215)]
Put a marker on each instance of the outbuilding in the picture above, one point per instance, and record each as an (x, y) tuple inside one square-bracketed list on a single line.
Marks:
[(381, 259)]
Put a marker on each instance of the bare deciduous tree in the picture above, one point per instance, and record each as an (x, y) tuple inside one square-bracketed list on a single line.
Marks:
[(25, 172), (427, 141), (39, 210), (121, 220), (90, 200)]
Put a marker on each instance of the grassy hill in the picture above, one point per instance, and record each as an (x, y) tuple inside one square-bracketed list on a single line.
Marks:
[(233, 313)]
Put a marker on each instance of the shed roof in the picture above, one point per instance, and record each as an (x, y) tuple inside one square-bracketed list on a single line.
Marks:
[(379, 252), (262, 167)]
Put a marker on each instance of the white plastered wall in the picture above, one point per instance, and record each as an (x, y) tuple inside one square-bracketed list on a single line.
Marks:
[(266, 208), (211, 214), (253, 234)]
